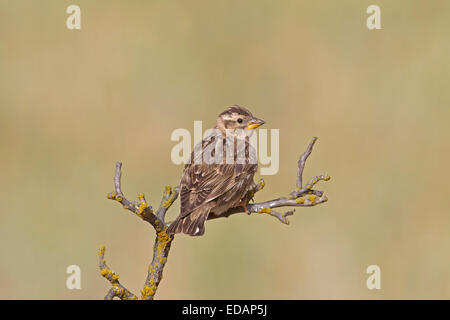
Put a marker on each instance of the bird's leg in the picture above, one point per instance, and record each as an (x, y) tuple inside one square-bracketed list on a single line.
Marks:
[(243, 203)]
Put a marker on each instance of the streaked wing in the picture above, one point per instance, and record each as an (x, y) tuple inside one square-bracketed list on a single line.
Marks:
[(202, 183)]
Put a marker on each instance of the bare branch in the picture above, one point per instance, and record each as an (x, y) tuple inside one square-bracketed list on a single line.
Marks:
[(302, 162), (282, 216)]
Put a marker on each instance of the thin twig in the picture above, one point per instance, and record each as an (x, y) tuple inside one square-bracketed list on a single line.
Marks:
[(302, 162)]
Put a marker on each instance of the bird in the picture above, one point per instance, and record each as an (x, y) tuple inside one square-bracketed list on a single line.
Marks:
[(212, 187)]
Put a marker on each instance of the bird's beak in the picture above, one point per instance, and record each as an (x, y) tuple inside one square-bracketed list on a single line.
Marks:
[(255, 123)]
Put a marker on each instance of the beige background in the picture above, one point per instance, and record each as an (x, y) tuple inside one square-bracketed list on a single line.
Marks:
[(74, 102)]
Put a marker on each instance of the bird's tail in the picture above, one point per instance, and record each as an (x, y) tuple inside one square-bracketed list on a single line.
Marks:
[(192, 224)]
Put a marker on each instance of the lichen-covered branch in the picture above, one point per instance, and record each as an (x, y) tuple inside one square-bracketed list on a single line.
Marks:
[(301, 196), (161, 246), (117, 289)]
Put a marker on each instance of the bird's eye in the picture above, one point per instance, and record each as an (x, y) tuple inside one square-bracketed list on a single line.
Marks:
[(239, 120)]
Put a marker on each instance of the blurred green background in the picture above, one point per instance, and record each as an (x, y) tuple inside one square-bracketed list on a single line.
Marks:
[(72, 103)]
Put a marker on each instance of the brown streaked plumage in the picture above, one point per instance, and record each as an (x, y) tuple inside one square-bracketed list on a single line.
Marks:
[(212, 187)]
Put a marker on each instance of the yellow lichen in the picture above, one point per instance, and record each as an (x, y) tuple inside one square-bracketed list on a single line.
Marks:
[(162, 260), (148, 291), (312, 198), (163, 237), (111, 195), (300, 200), (166, 204), (119, 291), (104, 272), (265, 210)]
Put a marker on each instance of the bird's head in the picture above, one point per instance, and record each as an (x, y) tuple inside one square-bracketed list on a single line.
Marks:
[(237, 118)]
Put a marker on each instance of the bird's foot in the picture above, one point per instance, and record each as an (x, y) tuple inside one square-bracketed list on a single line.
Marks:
[(243, 203)]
